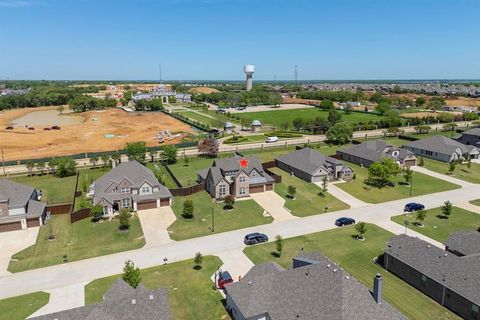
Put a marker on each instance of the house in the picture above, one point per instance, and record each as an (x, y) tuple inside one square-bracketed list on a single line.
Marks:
[(20, 207), (463, 243), (442, 148), (121, 302), (163, 93), (314, 288), (471, 137), (367, 153), (256, 125), (228, 127), (312, 166), (450, 280), (237, 176), (130, 185)]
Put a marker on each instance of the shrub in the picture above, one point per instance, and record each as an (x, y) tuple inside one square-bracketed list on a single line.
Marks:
[(131, 275), (188, 209), (229, 202), (124, 217)]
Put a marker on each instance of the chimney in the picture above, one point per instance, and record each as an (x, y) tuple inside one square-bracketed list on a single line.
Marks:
[(378, 288)]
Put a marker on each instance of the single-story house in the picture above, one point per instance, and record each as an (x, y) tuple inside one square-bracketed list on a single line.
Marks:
[(367, 153), (20, 207), (312, 166), (237, 176), (471, 137), (452, 281), (121, 302), (314, 288), (442, 148), (130, 185)]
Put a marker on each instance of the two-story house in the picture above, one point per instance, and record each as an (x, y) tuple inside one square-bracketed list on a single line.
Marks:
[(130, 185), (237, 176), (19, 206)]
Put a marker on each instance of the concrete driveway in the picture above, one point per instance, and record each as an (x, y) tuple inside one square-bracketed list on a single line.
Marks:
[(63, 298), (155, 223), (273, 204), (13, 242)]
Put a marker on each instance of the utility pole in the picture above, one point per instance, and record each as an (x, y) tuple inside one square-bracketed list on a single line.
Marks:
[(3, 163), (295, 74), (213, 220), (411, 184)]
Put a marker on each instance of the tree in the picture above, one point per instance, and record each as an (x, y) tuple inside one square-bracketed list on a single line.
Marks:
[(244, 123), (169, 154), (421, 162), (383, 107), (340, 133), (229, 202), (422, 129), (449, 126), (469, 162), (124, 217), (209, 147), (298, 123), (136, 151), (60, 109), (65, 167), (447, 209), (379, 173), (188, 209), (94, 160), (30, 165), (285, 125), (131, 274), (279, 245), (407, 175), (334, 116), (420, 101), (451, 166), (361, 228), (96, 212), (393, 131), (41, 167), (325, 183), (326, 104), (105, 158), (291, 191), (153, 154), (52, 164), (198, 259), (420, 217), (115, 157)]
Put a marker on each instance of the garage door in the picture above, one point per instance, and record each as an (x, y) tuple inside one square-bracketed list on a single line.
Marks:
[(164, 202), (147, 205), (10, 226), (255, 189), (269, 187), (33, 223), (409, 163)]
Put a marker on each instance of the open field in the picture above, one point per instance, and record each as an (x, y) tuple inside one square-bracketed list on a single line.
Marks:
[(190, 292), (200, 118), (462, 171), (80, 240), (246, 213), (422, 184), (356, 258), (86, 135), (19, 308), (435, 225)]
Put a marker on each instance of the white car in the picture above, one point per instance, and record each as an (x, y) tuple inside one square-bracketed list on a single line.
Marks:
[(271, 139)]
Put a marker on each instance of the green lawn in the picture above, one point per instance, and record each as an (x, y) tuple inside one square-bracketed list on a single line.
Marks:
[(19, 308), (356, 258), (475, 202), (449, 134), (191, 294), (278, 117), (186, 173), (78, 241), (462, 171), (201, 118), (246, 213), (439, 228), (54, 189), (309, 198), (422, 184), (167, 180)]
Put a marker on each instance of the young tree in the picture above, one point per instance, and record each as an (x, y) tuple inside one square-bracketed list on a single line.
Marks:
[(407, 175), (334, 116), (421, 162), (361, 228), (291, 191), (136, 151), (325, 183), (285, 125), (422, 129), (340, 133), (96, 212), (198, 259), (52, 164), (65, 167), (115, 157), (131, 274), (94, 160), (469, 162), (420, 217), (186, 161), (229, 202), (105, 159), (209, 147), (279, 245), (383, 107), (449, 126), (124, 217), (188, 209), (451, 167), (169, 154), (41, 167), (153, 154), (379, 173), (447, 209), (60, 109), (30, 165)]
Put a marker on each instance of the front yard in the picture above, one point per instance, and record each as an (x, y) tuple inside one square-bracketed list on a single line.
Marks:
[(462, 171), (80, 240), (356, 258), (422, 184), (309, 198), (439, 228), (246, 213), (19, 308), (191, 294)]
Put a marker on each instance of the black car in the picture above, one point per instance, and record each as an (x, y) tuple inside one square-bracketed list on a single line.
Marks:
[(344, 221), (254, 238), (412, 206)]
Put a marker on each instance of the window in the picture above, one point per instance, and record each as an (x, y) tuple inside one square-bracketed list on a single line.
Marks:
[(125, 190), (242, 178), (475, 311), (125, 203), (424, 280), (223, 190), (243, 191), (254, 173), (145, 189)]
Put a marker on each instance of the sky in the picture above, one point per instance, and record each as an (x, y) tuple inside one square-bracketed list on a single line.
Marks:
[(213, 39)]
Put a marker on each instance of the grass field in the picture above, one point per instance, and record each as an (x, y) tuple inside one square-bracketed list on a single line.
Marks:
[(166, 178), (54, 189), (201, 118), (475, 202), (422, 184), (186, 173), (462, 171), (190, 292), (439, 228), (19, 308), (309, 198), (246, 213), (80, 240), (356, 258)]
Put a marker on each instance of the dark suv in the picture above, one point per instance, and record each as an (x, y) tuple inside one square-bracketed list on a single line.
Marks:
[(412, 206), (344, 221), (254, 238)]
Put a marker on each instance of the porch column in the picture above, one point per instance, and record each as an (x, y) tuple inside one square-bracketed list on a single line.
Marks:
[(158, 203), (135, 206)]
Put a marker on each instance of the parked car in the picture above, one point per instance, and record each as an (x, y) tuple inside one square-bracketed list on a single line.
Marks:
[(412, 206), (56, 128), (224, 278), (254, 238), (222, 110), (344, 221), (9, 128), (271, 139)]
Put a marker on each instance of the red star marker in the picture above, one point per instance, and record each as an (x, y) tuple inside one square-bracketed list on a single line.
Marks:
[(243, 163)]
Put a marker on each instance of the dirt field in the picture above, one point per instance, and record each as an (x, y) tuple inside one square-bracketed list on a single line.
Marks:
[(423, 114), (462, 101), (87, 136), (205, 90)]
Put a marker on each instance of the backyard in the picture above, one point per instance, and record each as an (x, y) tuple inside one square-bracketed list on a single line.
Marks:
[(462, 171), (422, 184), (191, 294), (437, 227), (246, 213), (54, 189), (309, 199), (80, 240), (356, 258), (19, 308)]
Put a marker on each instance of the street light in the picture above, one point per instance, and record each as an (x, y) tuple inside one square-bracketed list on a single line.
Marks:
[(411, 184), (213, 220)]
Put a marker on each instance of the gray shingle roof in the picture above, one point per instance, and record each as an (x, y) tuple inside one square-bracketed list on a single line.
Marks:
[(464, 242), (16, 193), (375, 150), (318, 291), (460, 274), (35, 208), (439, 144), (307, 160), (473, 132)]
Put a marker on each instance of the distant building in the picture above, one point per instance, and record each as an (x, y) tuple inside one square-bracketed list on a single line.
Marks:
[(463, 109), (164, 94), (256, 125), (442, 148)]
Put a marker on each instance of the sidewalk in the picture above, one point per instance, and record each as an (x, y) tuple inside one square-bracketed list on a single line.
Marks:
[(444, 177), (64, 298), (343, 196), (399, 229), (468, 206)]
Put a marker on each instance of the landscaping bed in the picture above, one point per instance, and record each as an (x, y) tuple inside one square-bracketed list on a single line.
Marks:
[(19, 308)]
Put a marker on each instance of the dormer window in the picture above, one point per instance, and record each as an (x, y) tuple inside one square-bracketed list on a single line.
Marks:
[(145, 189), (125, 190)]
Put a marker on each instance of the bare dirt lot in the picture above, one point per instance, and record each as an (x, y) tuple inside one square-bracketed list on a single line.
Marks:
[(104, 130), (423, 114)]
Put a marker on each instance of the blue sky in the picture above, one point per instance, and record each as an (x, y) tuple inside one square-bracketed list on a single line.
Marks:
[(213, 39)]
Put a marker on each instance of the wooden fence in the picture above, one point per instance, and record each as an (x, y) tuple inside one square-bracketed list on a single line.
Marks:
[(269, 164), (276, 177), (79, 215), (186, 191), (174, 178), (62, 208)]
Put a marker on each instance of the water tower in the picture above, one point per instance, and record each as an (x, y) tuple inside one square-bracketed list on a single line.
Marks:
[(249, 70)]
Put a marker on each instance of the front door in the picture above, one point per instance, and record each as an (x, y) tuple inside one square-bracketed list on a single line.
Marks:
[(115, 206)]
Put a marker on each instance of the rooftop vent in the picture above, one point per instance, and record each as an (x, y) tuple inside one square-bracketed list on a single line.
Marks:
[(335, 270), (249, 283), (429, 246), (134, 301), (445, 254), (151, 297), (328, 265)]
